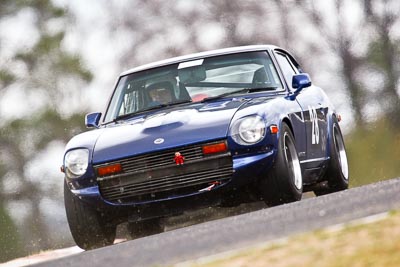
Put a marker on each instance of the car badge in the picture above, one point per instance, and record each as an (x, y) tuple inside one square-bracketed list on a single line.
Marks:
[(159, 141), (179, 159)]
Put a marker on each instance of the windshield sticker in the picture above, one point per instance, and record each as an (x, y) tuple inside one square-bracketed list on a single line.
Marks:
[(189, 64)]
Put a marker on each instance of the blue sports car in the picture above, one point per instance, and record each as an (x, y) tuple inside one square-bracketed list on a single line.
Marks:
[(222, 127)]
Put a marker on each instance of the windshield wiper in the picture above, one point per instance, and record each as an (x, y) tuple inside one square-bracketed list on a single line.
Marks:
[(128, 115), (244, 90)]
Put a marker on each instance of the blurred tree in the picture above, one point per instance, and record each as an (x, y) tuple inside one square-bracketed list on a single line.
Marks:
[(341, 43), (377, 21), (235, 17), (173, 28), (49, 74), (383, 53), (9, 238)]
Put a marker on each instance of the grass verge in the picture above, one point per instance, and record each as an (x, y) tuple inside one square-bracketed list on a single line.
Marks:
[(373, 153)]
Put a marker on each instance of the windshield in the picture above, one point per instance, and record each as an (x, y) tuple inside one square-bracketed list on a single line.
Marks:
[(192, 81)]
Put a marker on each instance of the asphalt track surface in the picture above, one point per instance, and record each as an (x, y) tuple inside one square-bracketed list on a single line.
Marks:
[(243, 230)]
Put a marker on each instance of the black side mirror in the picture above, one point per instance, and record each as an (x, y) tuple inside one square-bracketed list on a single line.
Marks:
[(92, 120), (300, 81)]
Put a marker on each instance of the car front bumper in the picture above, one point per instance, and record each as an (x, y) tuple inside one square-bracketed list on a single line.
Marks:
[(245, 170)]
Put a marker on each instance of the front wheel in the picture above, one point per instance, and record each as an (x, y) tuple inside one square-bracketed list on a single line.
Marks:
[(284, 182), (337, 173), (85, 223)]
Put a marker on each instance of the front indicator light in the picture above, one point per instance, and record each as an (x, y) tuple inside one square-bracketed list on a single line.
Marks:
[(215, 148), (274, 129), (109, 170)]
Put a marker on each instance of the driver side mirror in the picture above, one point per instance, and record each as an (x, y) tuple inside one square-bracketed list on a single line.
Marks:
[(300, 81), (92, 120)]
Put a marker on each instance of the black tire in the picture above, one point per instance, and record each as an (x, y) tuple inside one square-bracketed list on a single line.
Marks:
[(284, 182), (85, 223), (337, 174), (145, 228)]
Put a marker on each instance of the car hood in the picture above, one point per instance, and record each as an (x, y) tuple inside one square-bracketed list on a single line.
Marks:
[(176, 126)]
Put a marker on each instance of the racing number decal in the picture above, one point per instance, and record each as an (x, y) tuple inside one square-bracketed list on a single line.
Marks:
[(314, 127)]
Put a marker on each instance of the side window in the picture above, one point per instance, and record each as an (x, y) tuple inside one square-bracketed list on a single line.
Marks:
[(287, 68)]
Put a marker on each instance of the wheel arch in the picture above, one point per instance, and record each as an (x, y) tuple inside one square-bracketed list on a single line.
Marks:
[(332, 118), (289, 123)]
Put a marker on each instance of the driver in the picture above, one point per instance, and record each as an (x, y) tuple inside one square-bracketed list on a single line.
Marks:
[(160, 93)]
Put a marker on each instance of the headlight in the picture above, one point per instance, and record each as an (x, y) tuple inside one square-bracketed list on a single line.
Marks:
[(76, 162), (248, 131)]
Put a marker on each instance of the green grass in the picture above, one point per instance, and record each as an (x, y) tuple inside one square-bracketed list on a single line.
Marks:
[(373, 154)]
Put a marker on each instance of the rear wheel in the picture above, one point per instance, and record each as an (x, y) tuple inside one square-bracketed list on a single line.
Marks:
[(337, 173), (284, 182), (145, 228), (86, 224)]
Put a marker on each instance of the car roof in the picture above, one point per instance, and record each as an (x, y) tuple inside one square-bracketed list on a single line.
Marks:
[(218, 52)]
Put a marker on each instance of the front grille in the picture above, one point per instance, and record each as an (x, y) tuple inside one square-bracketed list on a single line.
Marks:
[(155, 176), (159, 159)]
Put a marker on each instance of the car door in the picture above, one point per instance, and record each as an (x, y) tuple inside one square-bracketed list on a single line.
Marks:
[(314, 113), (315, 117)]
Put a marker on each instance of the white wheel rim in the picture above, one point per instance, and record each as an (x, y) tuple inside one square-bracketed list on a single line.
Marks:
[(293, 162), (341, 153)]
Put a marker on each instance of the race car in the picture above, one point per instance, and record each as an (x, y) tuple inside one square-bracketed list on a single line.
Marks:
[(222, 127)]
